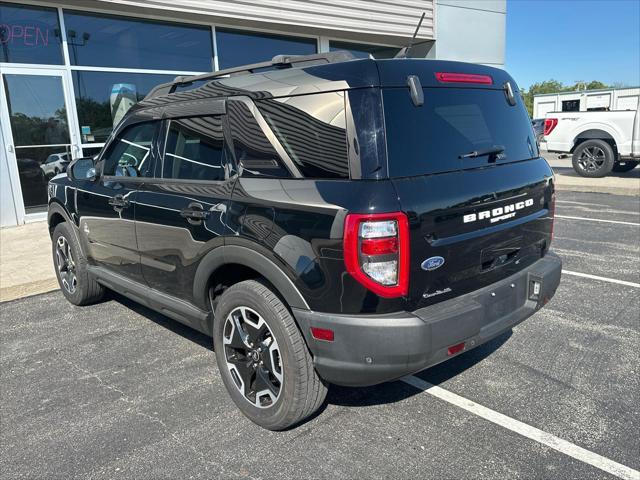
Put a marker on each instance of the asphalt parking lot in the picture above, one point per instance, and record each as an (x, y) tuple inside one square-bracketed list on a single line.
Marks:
[(117, 391)]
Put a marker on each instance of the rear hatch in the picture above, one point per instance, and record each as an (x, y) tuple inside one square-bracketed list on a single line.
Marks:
[(468, 174)]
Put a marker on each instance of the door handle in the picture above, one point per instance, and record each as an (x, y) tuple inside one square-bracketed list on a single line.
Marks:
[(194, 213), (119, 202)]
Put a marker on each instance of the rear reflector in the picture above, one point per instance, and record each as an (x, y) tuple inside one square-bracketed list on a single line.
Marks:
[(453, 349), (549, 125), (322, 334), (448, 77)]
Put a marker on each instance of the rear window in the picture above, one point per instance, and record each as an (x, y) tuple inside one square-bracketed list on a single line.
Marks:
[(453, 122)]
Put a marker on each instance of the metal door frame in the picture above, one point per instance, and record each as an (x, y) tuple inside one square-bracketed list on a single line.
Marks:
[(72, 123)]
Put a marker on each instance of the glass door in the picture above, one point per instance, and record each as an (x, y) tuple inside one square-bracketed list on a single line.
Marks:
[(38, 131)]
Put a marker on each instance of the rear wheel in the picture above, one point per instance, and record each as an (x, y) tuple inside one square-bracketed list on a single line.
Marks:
[(625, 166), (593, 158), (71, 268), (263, 359)]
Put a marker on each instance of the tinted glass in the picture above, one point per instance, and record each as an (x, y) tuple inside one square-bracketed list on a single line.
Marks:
[(91, 152), (453, 122), (29, 35), (34, 174), (311, 128), (102, 99), (242, 48), (130, 154), (571, 106), (194, 149), (252, 150), (360, 50), (110, 41), (36, 109)]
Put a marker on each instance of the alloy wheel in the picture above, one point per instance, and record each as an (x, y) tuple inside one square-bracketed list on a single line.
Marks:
[(66, 265), (591, 159), (253, 357)]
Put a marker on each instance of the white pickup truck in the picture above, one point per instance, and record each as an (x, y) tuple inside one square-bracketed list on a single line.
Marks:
[(600, 142)]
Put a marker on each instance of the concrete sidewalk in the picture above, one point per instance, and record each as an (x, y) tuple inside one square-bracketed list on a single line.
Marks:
[(26, 265)]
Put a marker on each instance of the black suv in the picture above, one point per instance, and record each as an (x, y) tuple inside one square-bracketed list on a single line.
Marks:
[(326, 220)]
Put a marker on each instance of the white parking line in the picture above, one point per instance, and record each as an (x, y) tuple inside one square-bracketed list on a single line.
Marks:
[(603, 279), (533, 433), (598, 220)]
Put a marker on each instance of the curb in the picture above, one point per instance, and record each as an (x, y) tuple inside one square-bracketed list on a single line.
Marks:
[(627, 192), (24, 290)]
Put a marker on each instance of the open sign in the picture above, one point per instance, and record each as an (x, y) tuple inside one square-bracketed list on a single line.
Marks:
[(27, 35)]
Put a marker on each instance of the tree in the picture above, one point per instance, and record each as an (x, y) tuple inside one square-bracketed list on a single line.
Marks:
[(548, 86), (596, 85)]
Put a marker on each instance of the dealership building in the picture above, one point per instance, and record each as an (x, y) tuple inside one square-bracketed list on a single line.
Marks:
[(70, 70)]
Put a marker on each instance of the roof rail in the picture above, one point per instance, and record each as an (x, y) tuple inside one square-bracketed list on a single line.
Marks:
[(278, 62)]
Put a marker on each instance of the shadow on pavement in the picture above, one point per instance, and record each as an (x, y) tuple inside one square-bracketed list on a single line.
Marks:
[(385, 393)]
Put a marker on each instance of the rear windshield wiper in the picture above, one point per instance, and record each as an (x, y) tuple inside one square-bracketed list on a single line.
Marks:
[(495, 150)]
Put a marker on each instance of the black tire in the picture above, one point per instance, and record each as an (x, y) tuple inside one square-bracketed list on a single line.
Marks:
[(75, 282), (593, 159), (625, 166), (300, 391)]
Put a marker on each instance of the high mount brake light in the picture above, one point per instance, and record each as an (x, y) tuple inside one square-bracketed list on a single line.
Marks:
[(376, 252), (448, 77), (549, 125)]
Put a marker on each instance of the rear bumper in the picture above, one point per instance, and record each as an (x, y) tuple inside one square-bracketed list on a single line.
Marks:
[(371, 349)]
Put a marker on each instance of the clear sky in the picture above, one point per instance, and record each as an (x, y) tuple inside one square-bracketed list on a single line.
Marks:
[(573, 40)]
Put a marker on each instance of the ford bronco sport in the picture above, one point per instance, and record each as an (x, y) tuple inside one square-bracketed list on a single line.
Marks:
[(324, 219)]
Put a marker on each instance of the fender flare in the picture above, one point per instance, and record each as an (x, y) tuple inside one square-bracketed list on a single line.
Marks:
[(590, 131), (56, 207), (249, 258)]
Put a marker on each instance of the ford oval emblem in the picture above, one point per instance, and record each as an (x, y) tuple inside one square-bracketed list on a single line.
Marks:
[(432, 263)]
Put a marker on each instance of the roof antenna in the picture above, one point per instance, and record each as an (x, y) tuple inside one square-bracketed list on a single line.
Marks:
[(404, 52)]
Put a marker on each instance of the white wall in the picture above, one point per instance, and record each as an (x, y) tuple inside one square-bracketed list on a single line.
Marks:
[(617, 99), (387, 21), (471, 31)]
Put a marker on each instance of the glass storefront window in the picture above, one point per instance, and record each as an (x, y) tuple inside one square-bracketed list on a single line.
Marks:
[(360, 50), (241, 48), (29, 35), (102, 99), (35, 172), (37, 111), (113, 41)]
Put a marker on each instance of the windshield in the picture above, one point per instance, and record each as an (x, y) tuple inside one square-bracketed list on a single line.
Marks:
[(455, 128)]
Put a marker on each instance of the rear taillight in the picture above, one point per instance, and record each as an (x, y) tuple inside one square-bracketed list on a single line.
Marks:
[(549, 125), (376, 252), (448, 77)]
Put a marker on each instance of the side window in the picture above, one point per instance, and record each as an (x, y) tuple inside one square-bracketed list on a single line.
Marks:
[(253, 151), (195, 149), (129, 155), (312, 130)]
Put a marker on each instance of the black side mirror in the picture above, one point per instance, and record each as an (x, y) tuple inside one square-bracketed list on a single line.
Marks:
[(82, 169)]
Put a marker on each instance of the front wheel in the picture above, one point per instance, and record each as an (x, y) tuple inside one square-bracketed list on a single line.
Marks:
[(626, 166), (593, 159), (71, 268), (263, 359)]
